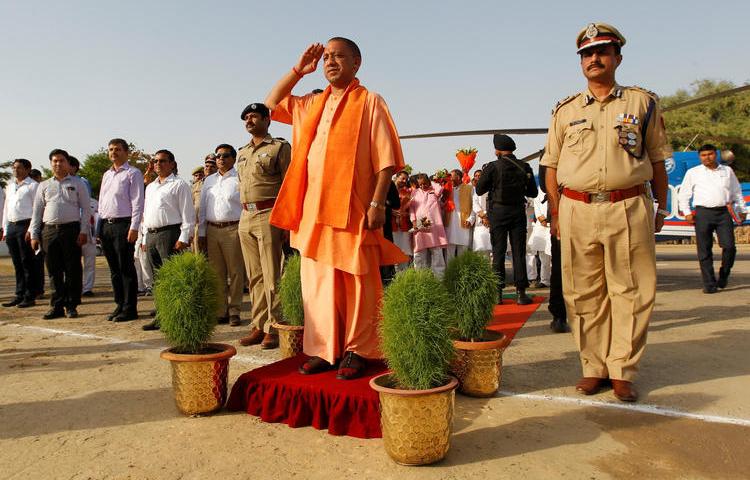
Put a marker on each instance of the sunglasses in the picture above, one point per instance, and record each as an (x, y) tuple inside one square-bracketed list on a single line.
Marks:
[(224, 155)]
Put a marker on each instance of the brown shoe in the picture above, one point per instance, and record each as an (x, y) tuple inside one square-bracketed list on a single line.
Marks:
[(624, 391), (234, 321), (590, 385), (270, 341), (351, 367), (255, 337), (315, 365)]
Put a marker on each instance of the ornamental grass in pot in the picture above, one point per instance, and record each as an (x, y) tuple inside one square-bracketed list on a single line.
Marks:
[(417, 397), (472, 283), (292, 328), (186, 294)]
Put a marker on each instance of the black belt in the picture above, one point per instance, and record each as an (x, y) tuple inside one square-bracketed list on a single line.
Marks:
[(223, 224), (164, 228), (57, 226), (718, 209), (116, 220), (20, 222)]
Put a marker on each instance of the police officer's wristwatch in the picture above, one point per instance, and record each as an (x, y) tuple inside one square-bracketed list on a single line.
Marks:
[(662, 212), (375, 204)]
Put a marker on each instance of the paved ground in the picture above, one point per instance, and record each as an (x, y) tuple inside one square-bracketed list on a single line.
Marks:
[(86, 398)]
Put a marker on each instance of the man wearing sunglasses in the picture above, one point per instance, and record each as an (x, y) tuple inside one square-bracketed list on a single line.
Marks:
[(261, 166)]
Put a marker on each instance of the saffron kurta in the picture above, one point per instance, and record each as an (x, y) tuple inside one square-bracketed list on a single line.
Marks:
[(340, 279)]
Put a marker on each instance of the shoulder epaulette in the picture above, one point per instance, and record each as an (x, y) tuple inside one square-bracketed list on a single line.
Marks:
[(244, 146), (564, 101), (281, 139), (643, 90)]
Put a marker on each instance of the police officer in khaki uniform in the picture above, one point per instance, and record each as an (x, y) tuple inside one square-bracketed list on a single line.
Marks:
[(605, 159), (261, 165), (195, 189)]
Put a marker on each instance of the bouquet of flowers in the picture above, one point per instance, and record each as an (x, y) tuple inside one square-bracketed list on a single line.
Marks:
[(423, 224), (466, 156)]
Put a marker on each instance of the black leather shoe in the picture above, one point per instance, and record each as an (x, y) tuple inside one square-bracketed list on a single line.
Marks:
[(709, 290), (115, 313), (722, 282), (26, 303), (72, 313), (54, 313), (559, 325), (87, 293), (351, 367), (151, 326), (523, 299), (13, 302), (222, 320), (152, 313), (124, 317)]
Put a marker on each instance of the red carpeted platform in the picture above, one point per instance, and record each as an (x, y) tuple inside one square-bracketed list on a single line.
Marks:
[(277, 393)]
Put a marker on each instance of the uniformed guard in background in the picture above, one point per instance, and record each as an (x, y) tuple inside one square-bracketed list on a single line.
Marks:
[(261, 165), (605, 145), (509, 181), (195, 188)]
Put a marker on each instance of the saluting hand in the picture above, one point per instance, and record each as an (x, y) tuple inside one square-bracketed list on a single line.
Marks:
[(308, 62)]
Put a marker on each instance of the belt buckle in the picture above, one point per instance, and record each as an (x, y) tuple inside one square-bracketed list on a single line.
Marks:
[(599, 197), (252, 207)]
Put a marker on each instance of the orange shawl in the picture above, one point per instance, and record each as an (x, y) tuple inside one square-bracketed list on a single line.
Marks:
[(341, 151)]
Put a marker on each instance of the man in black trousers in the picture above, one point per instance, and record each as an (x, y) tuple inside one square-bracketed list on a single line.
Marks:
[(509, 182), (556, 307)]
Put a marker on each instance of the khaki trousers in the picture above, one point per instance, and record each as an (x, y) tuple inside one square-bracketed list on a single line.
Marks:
[(609, 281), (261, 249), (341, 310), (225, 255)]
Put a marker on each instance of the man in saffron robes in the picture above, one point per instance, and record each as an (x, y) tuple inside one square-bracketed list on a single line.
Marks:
[(345, 151)]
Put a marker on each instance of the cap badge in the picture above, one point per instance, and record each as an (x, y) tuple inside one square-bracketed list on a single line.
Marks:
[(591, 31)]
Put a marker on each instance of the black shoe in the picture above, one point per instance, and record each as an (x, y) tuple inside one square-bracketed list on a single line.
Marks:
[(523, 299), (54, 313), (72, 313), (222, 320), (39, 295), (541, 285), (115, 313), (125, 317), (722, 282), (152, 313), (87, 293), (13, 302), (709, 290), (559, 325), (151, 326), (27, 303)]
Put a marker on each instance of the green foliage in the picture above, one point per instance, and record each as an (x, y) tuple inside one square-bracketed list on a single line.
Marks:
[(724, 122), (472, 284), (5, 173), (186, 295), (417, 313), (408, 169), (290, 293)]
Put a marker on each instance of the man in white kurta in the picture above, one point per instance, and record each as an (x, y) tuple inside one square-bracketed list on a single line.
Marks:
[(459, 220)]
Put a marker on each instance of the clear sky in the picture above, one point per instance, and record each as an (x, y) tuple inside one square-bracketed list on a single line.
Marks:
[(177, 74)]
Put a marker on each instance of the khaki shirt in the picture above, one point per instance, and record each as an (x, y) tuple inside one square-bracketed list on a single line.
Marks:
[(196, 191), (594, 144), (261, 168)]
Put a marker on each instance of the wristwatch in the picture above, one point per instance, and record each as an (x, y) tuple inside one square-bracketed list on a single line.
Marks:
[(663, 213), (375, 204)]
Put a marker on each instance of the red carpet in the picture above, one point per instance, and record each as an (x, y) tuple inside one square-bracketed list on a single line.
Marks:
[(277, 393)]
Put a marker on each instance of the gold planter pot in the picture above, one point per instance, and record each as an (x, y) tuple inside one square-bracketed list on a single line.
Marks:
[(416, 424), (290, 339), (200, 380), (478, 365)]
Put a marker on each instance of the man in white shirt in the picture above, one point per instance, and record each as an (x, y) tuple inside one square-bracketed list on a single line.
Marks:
[(218, 222), (16, 218), (714, 189), (168, 215), (459, 221), (539, 242)]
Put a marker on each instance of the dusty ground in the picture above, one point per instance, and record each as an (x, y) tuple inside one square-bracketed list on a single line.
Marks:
[(86, 398)]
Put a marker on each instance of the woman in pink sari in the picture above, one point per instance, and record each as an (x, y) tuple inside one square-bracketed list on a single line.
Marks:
[(429, 232)]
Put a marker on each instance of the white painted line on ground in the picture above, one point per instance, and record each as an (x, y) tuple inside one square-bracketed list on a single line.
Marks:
[(256, 360), (631, 407)]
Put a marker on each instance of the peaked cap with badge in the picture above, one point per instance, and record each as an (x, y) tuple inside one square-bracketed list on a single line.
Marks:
[(256, 108), (595, 34)]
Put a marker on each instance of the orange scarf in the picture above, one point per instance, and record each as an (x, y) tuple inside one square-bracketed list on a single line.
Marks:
[(341, 151)]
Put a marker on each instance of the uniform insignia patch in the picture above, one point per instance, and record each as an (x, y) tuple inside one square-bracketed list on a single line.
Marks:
[(577, 122), (592, 31)]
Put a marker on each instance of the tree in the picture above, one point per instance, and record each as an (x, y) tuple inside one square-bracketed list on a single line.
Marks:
[(5, 173), (724, 122), (95, 164)]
